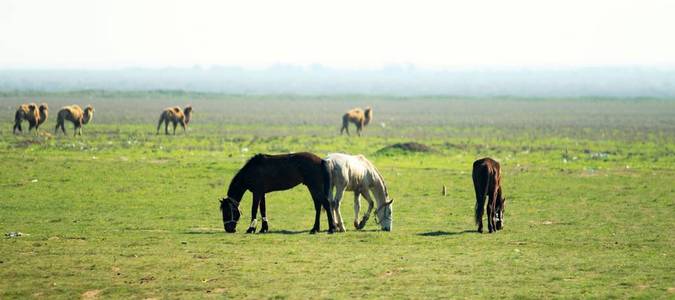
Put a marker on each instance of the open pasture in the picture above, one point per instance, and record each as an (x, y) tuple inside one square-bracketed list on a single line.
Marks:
[(121, 212)]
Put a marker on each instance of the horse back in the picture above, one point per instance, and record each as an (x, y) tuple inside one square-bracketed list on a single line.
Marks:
[(285, 171), (486, 171)]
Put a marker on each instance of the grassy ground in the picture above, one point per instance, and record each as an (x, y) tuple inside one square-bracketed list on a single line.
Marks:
[(121, 212)]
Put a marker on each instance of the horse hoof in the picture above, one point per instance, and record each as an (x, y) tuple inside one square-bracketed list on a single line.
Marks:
[(250, 230), (313, 231), (330, 231), (263, 230), (362, 224)]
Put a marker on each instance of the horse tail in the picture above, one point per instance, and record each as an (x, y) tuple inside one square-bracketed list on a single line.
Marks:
[(326, 178), (480, 194)]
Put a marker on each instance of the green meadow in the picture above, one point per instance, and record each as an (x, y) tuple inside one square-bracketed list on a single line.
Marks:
[(121, 212)]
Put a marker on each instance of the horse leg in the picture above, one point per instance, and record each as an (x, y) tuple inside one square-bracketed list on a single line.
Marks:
[(254, 212), (263, 213), (329, 213), (337, 215), (366, 216), (166, 127), (317, 208), (174, 127), (17, 125), (331, 201), (490, 214), (320, 200), (357, 208), (500, 211), (495, 212), (480, 205)]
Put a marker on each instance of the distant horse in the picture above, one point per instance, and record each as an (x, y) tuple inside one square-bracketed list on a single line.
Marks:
[(268, 173), (175, 116), (76, 115), (32, 113), (358, 174), (359, 117), (487, 182)]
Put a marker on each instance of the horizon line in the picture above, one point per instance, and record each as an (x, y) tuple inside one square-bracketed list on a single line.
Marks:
[(319, 66)]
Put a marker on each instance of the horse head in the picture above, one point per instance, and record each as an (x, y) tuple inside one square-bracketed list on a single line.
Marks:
[(231, 214), (88, 114), (499, 214), (384, 215)]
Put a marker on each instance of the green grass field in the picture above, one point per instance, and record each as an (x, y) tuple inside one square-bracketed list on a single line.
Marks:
[(123, 213)]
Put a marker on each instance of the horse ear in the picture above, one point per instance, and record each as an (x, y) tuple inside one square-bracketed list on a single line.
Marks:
[(221, 201), (390, 201)]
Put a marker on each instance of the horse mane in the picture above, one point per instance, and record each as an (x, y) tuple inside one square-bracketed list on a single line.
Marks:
[(372, 167), (237, 177)]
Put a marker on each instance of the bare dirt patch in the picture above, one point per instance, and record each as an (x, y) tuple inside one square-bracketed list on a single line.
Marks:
[(411, 147), (92, 294)]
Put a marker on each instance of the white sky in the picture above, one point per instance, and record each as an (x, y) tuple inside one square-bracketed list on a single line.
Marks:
[(343, 34)]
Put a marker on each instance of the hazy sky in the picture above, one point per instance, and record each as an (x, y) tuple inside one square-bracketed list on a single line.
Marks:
[(343, 34)]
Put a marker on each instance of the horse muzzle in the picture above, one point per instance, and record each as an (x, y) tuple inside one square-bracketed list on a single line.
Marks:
[(231, 227)]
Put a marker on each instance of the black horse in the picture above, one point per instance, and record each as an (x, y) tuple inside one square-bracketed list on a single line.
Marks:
[(268, 173), (487, 181)]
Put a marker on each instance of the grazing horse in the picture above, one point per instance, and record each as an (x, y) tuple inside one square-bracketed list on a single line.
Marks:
[(359, 117), (268, 173), (76, 115), (356, 173), (32, 113), (487, 182), (175, 116)]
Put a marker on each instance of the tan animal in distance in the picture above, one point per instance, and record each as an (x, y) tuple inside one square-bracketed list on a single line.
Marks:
[(175, 116), (359, 117), (75, 114), (32, 113)]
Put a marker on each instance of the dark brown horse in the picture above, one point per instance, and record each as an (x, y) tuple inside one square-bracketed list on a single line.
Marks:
[(268, 173), (487, 182)]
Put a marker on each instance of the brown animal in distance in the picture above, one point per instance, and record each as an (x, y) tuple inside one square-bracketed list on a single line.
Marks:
[(76, 115), (487, 179), (175, 116), (32, 113), (359, 117)]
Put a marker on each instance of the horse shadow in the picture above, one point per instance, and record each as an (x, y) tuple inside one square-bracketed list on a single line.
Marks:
[(442, 233), (203, 231), (288, 232), (200, 232)]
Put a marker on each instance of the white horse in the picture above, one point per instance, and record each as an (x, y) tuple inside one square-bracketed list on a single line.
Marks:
[(355, 173)]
